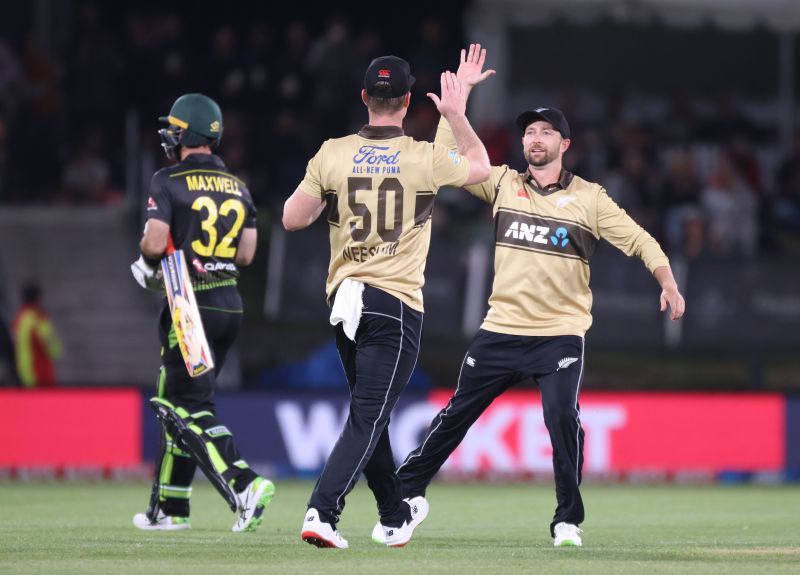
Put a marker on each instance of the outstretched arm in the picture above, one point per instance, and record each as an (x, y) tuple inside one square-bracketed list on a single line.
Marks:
[(452, 105)]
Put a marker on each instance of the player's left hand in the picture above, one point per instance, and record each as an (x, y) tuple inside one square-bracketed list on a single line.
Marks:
[(146, 276), (470, 69), (672, 297)]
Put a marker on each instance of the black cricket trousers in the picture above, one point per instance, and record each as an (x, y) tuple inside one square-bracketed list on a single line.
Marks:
[(378, 366), (493, 363), (221, 312)]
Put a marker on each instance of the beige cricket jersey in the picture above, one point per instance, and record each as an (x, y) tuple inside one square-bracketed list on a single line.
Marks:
[(379, 186), (544, 239)]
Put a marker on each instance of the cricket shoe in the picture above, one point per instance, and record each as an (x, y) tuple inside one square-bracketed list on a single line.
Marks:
[(252, 502), (567, 535), (320, 534), (401, 535), (161, 523)]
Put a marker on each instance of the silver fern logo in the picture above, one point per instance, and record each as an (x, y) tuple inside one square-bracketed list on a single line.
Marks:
[(566, 362), (565, 201)]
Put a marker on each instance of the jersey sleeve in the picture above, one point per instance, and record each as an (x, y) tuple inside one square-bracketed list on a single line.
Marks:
[(449, 167), (159, 203), (486, 191), (312, 182), (616, 226)]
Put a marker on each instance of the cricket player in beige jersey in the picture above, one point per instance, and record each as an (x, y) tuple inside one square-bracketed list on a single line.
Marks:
[(547, 223), (377, 188)]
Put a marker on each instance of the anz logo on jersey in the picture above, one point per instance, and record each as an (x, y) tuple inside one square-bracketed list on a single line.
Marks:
[(560, 238), (537, 234), (530, 233), (542, 234)]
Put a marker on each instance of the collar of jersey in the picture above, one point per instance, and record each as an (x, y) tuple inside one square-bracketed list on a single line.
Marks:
[(380, 132), (562, 184), (204, 159)]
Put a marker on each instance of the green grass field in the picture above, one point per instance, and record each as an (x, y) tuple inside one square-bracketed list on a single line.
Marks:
[(57, 528)]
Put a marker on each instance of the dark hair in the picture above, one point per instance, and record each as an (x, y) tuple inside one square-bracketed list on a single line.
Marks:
[(385, 105)]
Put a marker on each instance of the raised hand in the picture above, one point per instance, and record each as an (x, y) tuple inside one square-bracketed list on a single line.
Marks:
[(453, 101), (470, 69)]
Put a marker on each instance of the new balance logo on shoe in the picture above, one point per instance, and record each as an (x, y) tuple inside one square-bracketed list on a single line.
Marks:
[(400, 536), (471, 361), (566, 362), (320, 534)]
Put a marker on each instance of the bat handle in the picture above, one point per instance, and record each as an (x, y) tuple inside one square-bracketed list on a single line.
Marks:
[(170, 246)]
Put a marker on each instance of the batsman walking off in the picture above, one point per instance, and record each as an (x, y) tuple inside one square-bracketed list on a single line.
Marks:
[(378, 187), (547, 222), (208, 213)]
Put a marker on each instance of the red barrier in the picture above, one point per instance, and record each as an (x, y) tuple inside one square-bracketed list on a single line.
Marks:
[(633, 432), (71, 428)]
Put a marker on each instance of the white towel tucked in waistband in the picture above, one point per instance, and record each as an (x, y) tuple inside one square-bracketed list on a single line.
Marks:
[(347, 306)]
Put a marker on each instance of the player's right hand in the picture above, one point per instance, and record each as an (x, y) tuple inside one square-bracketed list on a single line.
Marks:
[(453, 101), (470, 69), (146, 276)]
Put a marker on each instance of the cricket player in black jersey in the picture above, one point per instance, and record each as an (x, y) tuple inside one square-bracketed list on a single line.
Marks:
[(209, 214)]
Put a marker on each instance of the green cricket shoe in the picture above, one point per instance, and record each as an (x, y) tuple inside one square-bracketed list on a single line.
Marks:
[(252, 501)]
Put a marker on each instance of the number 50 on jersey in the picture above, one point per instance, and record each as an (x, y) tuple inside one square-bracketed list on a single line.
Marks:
[(186, 318)]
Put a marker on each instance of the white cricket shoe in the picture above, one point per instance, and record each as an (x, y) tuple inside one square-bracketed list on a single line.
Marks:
[(399, 536), (320, 534), (567, 535), (252, 502), (162, 522)]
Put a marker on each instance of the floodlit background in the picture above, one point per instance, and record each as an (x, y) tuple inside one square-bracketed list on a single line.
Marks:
[(686, 111)]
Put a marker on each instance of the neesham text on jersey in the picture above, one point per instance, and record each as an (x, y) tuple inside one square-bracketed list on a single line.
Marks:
[(363, 253)]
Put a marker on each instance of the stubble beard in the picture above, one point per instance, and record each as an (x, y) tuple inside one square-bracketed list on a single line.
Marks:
[(542, 160)]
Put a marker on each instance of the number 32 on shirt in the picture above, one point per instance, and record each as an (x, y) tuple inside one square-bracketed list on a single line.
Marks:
[(224, 248)]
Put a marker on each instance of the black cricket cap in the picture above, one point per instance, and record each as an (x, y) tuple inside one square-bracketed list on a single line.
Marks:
[(388, 77), (553, 116)]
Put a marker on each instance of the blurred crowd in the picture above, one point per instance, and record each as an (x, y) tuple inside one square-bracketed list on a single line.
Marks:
[(283, 86), (707, 180)]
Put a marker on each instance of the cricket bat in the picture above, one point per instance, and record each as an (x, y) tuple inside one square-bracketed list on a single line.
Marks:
[(185, 314)]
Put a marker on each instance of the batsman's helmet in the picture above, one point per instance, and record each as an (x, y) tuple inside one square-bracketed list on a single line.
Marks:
[(194, 120)]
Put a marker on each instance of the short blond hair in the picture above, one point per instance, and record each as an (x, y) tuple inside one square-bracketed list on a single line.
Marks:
[(385, 105)]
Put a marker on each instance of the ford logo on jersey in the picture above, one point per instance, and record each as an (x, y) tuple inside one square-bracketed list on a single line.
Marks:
[(374, 155)]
